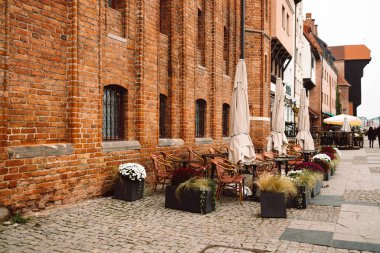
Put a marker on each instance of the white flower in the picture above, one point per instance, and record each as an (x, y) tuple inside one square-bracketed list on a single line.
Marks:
[(133, 171), (323, 157), (338, 152)]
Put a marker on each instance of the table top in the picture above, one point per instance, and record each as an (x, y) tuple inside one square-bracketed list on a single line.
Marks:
[(307, 151), (215, 155), (284, 158), (185, 160)]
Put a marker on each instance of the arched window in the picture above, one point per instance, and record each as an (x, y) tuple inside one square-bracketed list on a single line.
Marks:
[(113, 112), (200, 117), (226, 120)]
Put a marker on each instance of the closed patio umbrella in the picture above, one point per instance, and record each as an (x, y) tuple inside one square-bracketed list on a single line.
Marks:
[(303, 136), (339, 120), (346, 126), (277, 139), (241, 147)]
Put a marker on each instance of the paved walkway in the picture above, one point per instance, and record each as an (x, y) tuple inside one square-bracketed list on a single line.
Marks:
[(345, 217)]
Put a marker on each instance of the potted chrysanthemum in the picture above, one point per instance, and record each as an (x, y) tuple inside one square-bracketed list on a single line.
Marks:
[(324, 161), (129, 185)]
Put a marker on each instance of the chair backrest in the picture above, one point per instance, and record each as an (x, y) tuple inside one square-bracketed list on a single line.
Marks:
[(260, 157), (218, 151), (195, 155), (169, 157), (222, 165), (269, 155), (160, 165)]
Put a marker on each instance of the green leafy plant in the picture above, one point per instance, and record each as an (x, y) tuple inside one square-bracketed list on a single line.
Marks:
[(275, 183), (17, 218), (302, 178)]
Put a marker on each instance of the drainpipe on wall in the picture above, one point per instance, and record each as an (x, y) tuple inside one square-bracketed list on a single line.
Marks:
[(242, 20)]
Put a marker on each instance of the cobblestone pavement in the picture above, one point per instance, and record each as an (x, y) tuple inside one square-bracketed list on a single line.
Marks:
[(110, 225)]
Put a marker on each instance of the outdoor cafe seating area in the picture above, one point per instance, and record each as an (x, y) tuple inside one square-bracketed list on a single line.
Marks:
[(215, 165)]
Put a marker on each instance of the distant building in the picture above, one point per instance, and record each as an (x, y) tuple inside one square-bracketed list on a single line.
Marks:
[(322, 93), (352, 60)]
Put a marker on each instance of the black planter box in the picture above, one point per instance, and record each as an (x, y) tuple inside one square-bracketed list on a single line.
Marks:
[(302, 200), (272, 205), (190, 201), (128, 190), (327, 176), (316, 189)]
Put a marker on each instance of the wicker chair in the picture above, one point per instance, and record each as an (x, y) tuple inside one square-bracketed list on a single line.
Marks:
[(175, 160), (198, 162), (162, 171), (228, 175)]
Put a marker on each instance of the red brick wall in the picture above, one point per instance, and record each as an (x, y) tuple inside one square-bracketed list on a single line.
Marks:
[(37, 69), (315, 97), (62, 54), (257, 46), (343, 97)]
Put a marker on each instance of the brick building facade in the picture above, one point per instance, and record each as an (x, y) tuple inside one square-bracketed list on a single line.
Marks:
[(322, 96), (87, 85)]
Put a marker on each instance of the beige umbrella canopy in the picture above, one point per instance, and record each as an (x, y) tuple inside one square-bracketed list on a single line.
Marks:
[(339, 120), (303, 136), (241, 147), (277, 139)]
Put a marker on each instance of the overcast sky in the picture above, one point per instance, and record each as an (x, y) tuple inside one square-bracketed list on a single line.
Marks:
[(351, 22)]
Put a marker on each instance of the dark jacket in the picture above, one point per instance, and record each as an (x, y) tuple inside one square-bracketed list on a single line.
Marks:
[(371, 134), (378, 131)]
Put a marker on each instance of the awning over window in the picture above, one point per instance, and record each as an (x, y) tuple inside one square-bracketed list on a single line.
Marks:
[(328, 114)]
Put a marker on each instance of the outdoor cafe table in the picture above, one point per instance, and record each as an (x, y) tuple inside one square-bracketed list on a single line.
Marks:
[(186, 161), (283, 159), (212, 156), (306, 154)]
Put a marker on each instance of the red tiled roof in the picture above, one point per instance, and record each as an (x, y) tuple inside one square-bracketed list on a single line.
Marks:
[(342, 81), (351, 52)]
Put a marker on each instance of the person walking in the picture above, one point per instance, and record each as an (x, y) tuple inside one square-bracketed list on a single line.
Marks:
[(371, 136), (378, 134)]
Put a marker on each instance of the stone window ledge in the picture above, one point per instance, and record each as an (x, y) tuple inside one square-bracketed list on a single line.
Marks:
[(163, 142), (227, 139), (42, 150), (111, 146), (118, 38), (204, 141)]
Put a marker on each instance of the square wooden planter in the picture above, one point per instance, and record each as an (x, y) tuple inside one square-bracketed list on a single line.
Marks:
[(273, 205), (302, 200), (190, 201), (316, 189), (128, 190)]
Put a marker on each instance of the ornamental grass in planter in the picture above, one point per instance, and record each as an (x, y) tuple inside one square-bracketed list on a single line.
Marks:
[(274, 190), (188, 192), (316, 171), (305, 181), (129, 184)]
